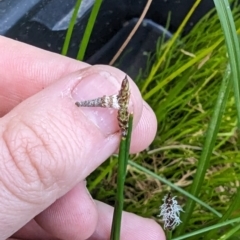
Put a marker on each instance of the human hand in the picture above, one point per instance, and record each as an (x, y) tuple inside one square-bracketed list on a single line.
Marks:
[(49, 146)]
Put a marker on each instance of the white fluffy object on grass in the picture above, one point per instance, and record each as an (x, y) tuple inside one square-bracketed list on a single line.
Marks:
[(170, 212)]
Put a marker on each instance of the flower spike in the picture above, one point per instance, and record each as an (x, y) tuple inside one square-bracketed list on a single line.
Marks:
[(123, 101)]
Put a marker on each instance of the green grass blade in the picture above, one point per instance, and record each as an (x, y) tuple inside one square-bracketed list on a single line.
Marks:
[(201, 231), (128, 141), (88, 30), (227, 22), (170, 44), (207, 149), (173, 186), (122, 163), (70, 28), (230, 233)]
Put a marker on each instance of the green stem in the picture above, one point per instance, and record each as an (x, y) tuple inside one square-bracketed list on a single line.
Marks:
[(88, 30), (122, 164), (70, 28), (232, 43), (207, 149), (169, 235), (117, 216)]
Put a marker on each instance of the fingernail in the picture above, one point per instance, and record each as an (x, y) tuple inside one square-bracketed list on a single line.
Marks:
[(94, 86)]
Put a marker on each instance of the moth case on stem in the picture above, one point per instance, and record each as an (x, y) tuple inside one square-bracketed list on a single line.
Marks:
[(118, 101)]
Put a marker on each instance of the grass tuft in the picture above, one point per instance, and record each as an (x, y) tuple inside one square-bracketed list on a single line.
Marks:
[(196, 148)]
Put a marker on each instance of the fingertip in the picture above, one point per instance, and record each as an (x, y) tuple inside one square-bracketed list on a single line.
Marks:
[(155, 229), (133, 226), (145, 131), (136, 227)]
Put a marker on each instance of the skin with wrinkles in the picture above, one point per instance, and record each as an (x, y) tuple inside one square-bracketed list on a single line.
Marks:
[(48, 146)]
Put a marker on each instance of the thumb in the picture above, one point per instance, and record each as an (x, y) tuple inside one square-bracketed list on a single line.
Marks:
[(48, 144)]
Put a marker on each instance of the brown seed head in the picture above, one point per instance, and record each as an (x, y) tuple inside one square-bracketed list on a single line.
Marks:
[(123, 101)]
